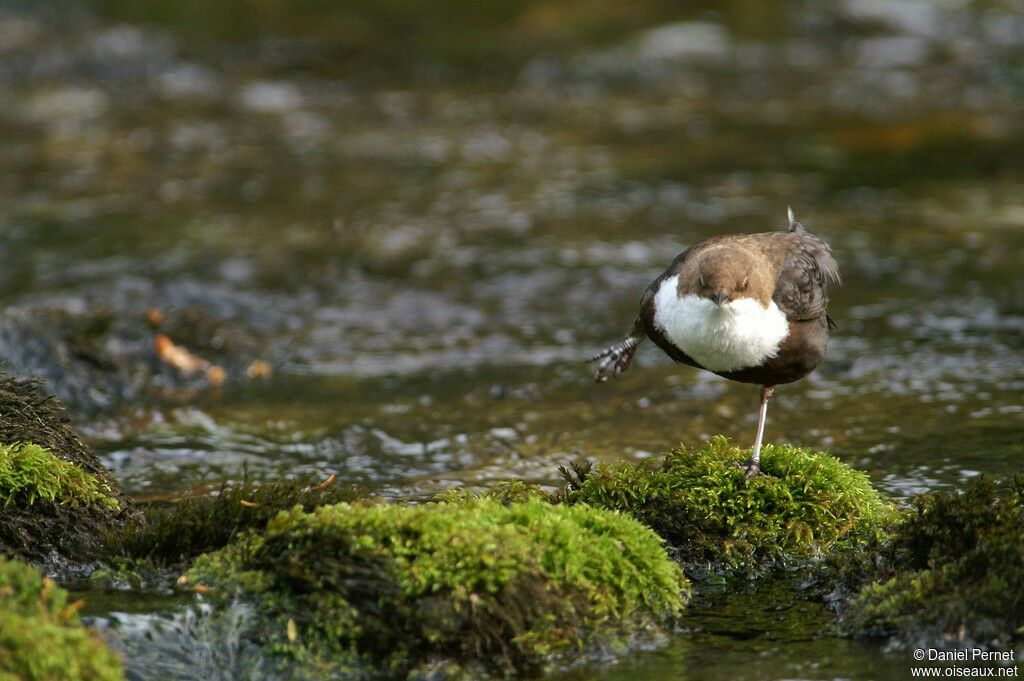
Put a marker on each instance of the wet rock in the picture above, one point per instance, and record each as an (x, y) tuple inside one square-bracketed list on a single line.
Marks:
[(41, 637), (393, 588), (70, 351), (56, 498), (94, 358)]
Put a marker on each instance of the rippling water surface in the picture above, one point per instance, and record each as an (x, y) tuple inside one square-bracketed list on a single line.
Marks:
[(424, 231)]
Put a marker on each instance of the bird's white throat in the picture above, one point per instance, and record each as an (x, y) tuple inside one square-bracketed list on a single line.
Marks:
[(738, 335)]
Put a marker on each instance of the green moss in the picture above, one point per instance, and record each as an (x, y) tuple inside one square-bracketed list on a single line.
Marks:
[(172, 536), (701, 503), (41, 638), (30, 473), (476, 581), (952, 570)]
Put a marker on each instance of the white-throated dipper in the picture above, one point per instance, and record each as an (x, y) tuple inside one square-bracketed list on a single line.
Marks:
[(748, 307)]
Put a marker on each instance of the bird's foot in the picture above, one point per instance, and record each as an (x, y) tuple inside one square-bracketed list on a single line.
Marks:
[(752, 468), (614, 360)]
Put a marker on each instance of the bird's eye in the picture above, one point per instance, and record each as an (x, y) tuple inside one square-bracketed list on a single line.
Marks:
[(743, 284)]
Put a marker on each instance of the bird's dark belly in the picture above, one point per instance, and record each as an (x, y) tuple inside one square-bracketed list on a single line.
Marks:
[(801, 351)]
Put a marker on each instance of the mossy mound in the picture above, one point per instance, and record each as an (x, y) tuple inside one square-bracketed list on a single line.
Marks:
[(952, 571), (478, 582), (57, 498), (52, 509), (41, 638), (702, 504), (29, 414)]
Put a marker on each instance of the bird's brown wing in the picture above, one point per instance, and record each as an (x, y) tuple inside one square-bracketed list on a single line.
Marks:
[(801, 290)]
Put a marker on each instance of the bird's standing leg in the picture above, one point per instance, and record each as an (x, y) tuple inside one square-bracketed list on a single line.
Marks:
[(754, 467)]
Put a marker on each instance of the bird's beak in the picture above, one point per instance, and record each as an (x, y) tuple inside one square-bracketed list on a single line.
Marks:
[(720, 298)]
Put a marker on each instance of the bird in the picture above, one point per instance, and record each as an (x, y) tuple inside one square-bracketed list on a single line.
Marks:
[(751, 308)]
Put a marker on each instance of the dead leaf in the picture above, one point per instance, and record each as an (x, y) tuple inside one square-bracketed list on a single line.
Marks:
[(178, 357), (187, 363), (320, 486)]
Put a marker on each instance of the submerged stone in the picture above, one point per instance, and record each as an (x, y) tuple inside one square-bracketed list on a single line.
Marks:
[(807, 502), (505, 587), (950, 575), (41, 638)]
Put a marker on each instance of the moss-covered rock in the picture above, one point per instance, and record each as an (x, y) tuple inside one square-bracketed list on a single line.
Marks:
[(478, 581), (29, 414), (702, 504), (52, 509), (41, 638), (58, 501), (951, 572)]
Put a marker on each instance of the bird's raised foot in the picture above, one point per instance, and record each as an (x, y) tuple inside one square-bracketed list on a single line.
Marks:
[(613, 360)]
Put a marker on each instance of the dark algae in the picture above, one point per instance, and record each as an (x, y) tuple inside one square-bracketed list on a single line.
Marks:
[(174, 534)]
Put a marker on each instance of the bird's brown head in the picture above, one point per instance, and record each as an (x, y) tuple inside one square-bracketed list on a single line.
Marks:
[(727, 273)]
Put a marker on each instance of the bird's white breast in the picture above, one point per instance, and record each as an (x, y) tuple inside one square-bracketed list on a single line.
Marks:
[(738, 335)]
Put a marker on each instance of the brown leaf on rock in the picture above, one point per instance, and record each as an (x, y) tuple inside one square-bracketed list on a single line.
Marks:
[(186, 362)]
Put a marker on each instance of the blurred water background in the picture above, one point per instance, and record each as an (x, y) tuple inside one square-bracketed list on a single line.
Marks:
[(424, 216)]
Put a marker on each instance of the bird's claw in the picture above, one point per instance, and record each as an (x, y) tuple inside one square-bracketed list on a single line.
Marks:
[(614, 360), (753, 470)]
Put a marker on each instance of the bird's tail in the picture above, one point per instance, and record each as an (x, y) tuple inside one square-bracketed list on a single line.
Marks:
[(794, 226)]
